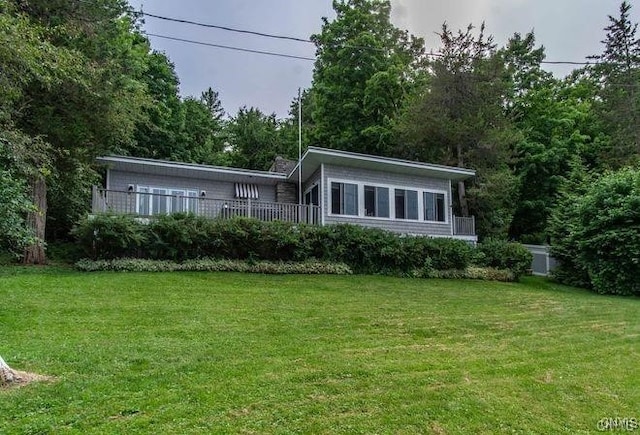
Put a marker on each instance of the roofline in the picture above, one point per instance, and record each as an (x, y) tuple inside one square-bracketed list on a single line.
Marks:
[(193, 166), (388, 160)]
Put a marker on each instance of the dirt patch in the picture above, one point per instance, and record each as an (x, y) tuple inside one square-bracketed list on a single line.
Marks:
[(25, 378)]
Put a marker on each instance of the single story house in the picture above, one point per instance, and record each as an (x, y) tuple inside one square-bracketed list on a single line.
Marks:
[(326, 187)]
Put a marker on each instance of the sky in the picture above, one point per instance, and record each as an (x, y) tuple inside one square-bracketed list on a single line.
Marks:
[(569, 30)]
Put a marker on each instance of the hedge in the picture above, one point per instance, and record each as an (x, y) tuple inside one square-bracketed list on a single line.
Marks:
[(183, 237)]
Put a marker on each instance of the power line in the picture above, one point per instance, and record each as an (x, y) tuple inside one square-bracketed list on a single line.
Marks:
[(228, 47), (229, 29), (290, 38)]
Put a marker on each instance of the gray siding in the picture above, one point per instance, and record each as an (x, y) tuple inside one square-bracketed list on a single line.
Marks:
[(313, 179), (400, 180), (216, 189)]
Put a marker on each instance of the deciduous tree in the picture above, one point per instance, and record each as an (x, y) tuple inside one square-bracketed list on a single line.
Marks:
[(365, 69)]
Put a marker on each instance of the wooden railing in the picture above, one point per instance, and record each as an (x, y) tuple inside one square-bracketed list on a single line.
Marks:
[(153, 204), (464, 226)]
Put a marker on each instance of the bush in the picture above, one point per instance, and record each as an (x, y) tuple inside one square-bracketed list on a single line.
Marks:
[(177, 236), (107, 236), (211, 265), (608, 233), (499, 254), (471, 272), (186, 238)]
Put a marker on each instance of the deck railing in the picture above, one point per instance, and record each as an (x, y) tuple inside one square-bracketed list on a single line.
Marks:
[(464, 226), (152, 204)]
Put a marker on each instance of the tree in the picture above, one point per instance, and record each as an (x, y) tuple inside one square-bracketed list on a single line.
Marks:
[(618, 71), (72, 73), (459, 119), (254, 139), (555, 124), (211, 100), (365, 69), (158, 134)]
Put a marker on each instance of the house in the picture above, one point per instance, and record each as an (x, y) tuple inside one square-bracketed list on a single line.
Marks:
[(336, 187)]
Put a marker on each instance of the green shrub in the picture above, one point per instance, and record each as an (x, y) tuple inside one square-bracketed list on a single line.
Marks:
[(186, 238), (211, 265), (106, 236), (499, 254), (608, 233), (471, 272), (178, 236)]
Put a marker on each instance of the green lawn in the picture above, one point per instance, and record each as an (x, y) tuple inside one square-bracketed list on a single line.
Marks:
[(232, 353)]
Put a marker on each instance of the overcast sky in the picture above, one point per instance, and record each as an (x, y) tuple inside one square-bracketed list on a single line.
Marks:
[(568, 29)]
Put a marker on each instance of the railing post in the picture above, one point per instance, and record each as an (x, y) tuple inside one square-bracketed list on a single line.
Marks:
[(249, 207)]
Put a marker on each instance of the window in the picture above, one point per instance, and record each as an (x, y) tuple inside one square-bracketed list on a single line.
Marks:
[(434, 207), (159, 200), (406, 204), (311, 197), (376, 201), (344, 198)]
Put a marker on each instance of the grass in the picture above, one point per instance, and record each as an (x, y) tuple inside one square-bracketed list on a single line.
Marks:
[(235, 353)]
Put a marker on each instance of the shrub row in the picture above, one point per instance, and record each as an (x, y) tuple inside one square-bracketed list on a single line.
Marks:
[(210, 265), (182, 237), (274, 268)]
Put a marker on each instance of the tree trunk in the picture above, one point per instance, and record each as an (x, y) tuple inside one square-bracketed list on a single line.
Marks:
[(462, 193), (7, 375), (36, 221)]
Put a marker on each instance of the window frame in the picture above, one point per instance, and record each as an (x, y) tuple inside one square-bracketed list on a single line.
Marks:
[(145, 193), (342, 204), (392, 201), (435, 202)]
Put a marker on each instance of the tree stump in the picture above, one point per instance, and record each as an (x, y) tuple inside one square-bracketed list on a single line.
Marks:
[(7, 375)]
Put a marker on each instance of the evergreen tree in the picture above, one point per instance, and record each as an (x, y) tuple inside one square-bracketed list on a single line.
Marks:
[(459, 120), (618, 71)]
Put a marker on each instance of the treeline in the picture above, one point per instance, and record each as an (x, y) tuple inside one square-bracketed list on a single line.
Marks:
[(80, 79)]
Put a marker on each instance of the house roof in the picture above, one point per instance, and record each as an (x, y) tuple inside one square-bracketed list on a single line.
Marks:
[(314, 157), (311, 161), (177, 169)]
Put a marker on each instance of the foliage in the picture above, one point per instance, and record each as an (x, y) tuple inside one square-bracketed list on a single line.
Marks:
[(209, 265), (499, 254), (106, 236), (14, 235), (459, 119), (564, 229), (185, 237), (557, 125), (618, 72), (365, 69), (605, 234), (471, 272), (254, 139)]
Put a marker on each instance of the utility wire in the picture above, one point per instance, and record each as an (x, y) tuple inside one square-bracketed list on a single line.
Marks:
[(228, 47), (229, 29), (289, 38)]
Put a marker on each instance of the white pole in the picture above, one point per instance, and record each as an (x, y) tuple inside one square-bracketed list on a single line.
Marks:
[(299, 146)]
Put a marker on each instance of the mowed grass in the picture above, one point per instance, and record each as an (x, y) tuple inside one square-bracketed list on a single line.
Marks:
[(234, 353)]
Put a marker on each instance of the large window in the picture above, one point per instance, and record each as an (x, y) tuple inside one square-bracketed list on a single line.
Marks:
[(406, 204), (376, 201), (434, 207), (160, 200), (344, 198)]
